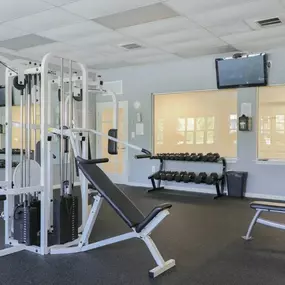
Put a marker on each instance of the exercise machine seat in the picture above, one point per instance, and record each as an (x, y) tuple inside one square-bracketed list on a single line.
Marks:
[(268, 206), (117, 199)]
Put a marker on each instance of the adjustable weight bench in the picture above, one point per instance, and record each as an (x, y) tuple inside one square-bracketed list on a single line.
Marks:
[(142, 226), (260, 207)]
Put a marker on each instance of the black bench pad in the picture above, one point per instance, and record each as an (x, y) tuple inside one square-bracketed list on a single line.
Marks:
[(151, 216), (269, 206), (117, 199)]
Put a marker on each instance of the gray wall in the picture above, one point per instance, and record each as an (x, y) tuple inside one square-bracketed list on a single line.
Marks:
[(195, 74)]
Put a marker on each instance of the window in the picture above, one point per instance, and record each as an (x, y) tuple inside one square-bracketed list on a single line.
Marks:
[(16, 131), (271, 123), (202, 121)]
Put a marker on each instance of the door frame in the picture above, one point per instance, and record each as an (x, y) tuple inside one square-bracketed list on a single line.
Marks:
[(100, 106)]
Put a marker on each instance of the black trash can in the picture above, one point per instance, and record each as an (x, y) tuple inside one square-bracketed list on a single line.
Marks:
[(236, 181)]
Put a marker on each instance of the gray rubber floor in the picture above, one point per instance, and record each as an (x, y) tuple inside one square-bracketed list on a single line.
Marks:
[(202, 234)]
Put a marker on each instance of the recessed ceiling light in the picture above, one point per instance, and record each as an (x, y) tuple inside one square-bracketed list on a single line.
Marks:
[(131, 46)]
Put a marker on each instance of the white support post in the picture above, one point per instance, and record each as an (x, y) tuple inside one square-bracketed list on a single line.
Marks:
[(162, 265), (44, 151), (248, 236), (91, 221), (109, 241), (271, 224), (9, 204), (155, 222), (84, 181), (50, 121)]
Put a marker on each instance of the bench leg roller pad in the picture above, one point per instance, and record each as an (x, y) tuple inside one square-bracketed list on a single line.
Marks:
[(161, 269)]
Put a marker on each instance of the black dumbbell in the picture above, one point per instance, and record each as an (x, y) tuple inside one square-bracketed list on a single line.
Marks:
[(172, 156), (214, 158), (201, 178), (184, 156), (166, 156), (163, 175), (207, 157), (14, 164), (2, 163), (160, 156), (157, 175), (179, 176), (189, 177), (176, 156), (171, 175), (197, 157), (190, 157), (181, 156), (212, 178)]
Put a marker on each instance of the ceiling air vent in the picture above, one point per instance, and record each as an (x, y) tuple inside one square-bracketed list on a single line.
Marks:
[(131, 46), (269, 22)]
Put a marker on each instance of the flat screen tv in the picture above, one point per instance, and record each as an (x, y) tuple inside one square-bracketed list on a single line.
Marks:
[(242, 71)]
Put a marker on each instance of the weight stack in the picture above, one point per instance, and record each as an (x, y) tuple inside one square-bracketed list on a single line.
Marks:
[(65, 219), (27, 222)]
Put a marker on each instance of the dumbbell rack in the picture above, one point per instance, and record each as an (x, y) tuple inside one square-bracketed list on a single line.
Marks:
[(157, 186), (220, 184)]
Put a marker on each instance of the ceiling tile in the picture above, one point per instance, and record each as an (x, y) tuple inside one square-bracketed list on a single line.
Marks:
[(261, 45), (11, 56), (26, 41), (159, 27), (59, 49), (192, 7), (197, 44), (111, 37), (13, 9), (154, 58), (85, 56), (53, 18), (263, 34), (8, 32), (91, 9), (74, 31), (186, 53), (108, 65), (60, 2), (137, 16), (227, 15), (145, 52), (178, 36), (108, 49), (233, 28)]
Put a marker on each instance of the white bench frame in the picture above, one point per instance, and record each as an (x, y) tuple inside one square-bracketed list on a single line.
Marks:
[(83, 244), (256, 219)]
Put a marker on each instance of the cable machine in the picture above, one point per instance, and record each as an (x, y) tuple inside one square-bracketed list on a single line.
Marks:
[(35, 219)]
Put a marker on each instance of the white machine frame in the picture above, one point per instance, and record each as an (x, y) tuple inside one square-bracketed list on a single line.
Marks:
[(45, 189)]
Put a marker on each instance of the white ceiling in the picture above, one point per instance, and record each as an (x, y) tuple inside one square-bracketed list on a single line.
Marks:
[(93, 31)]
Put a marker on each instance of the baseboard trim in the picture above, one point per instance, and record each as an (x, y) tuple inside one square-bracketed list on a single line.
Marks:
[(264, 197), (209, 191), (195, 190), (179, 188)]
